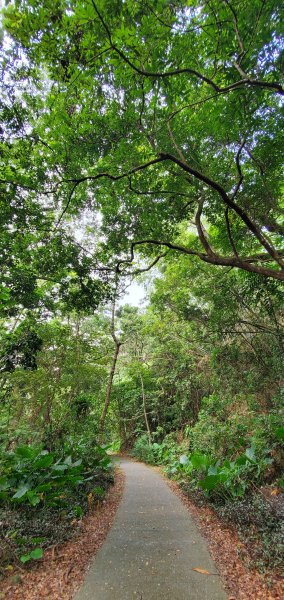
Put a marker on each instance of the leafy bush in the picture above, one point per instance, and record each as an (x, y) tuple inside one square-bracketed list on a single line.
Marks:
[(225, 427), (33, 476), (42, 492), (220, 479), (144, 450), (166, 452)]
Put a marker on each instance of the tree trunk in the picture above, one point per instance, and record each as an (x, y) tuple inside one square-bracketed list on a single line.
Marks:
[(145, 411), (117, 344), (109, 386)]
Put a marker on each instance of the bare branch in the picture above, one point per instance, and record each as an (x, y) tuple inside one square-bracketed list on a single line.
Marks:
[(236, 28), (230, 233), (256, 161), (241, 177), (155, 192), (175, 143)]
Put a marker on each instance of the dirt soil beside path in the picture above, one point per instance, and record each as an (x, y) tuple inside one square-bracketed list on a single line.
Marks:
[(224, 543), (61, 572), (63, 568)]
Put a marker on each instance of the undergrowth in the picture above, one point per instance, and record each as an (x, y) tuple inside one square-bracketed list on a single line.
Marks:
[(243, 482), (43, 496)]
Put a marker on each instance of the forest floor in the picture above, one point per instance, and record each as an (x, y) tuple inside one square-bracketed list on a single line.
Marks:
[(61, 572), (241, 582)]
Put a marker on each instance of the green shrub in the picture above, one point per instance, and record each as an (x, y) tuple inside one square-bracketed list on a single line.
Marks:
[(143, 450), (260, 524), (41, 492), (32, 476), (165, 452)]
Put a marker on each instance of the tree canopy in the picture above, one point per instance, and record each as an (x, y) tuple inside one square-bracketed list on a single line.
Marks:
[(150, 127)]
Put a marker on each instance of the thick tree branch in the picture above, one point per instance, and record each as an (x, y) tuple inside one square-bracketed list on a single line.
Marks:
[(77, 182), (143, 270), (228, 202), (231, 261), (200, 231)]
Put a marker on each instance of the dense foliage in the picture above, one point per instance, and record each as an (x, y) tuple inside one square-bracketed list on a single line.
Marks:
[(141, 137), (212, 368), (154, 114), (44, 494), (52, 468)]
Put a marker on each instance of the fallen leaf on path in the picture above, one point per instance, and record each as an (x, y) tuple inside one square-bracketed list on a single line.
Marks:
[(203, 571)]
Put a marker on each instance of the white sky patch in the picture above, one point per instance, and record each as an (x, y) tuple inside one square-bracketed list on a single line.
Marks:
[(135, 295)]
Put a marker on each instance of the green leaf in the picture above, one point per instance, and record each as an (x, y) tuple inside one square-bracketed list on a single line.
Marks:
[(213, 470), (36, 553), (4, 293), (44, 487), (33, 498), (250, 454), (26, 452), (199, 461), (38, 540), (59, 467), (44, 461), (210, 482), (280, 433), (241, 460), (25, 558), (4, 484), (22, 490)]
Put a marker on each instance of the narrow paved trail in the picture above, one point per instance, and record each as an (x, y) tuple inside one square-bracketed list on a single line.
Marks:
[(152, 548)]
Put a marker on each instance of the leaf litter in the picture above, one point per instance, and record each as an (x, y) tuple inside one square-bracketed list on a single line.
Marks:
[(62, 570), (240, 582)]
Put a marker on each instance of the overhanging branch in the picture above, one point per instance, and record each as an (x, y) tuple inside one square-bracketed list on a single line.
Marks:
[(252, 226), (245, 263)]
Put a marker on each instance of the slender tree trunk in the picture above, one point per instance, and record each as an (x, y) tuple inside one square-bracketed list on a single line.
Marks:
[(145, 411), (109, 386), (117, 344)]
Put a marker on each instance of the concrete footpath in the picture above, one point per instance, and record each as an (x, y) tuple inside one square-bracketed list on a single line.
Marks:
[(152, 548)]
